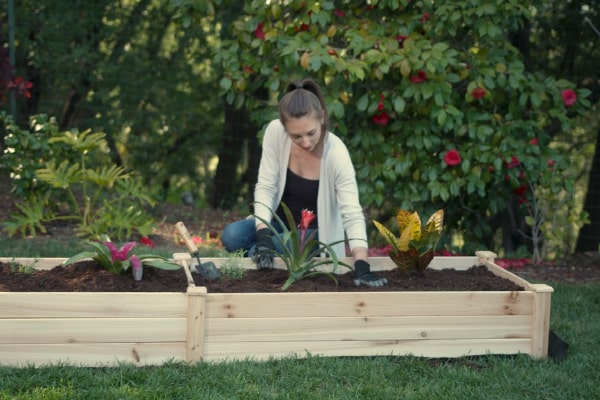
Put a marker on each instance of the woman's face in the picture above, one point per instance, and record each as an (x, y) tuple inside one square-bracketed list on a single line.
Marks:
[(305, 132)]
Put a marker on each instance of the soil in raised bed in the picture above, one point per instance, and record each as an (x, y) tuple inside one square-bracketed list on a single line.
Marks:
[(87, 276)]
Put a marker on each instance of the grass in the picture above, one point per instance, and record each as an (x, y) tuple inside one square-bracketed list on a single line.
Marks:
[(575, 317)]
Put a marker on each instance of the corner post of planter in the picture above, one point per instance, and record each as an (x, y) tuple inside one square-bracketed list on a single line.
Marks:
[(196, 300), (484, 256), (541, 320)]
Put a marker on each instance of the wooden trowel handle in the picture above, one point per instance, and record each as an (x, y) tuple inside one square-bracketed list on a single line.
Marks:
[(187, 239)]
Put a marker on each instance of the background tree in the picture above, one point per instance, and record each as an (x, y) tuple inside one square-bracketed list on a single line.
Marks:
[(128, 69), (565, 42)]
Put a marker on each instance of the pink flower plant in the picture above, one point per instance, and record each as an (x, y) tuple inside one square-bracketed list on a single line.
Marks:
[(118, 259)]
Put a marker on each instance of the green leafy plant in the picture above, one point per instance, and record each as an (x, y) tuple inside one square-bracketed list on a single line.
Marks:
[(232, 267), (414, 248), (101, 200), (301, 253), (118, 260), (16, 267)]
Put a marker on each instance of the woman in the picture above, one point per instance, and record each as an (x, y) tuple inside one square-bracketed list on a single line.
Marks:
[(306, 167)]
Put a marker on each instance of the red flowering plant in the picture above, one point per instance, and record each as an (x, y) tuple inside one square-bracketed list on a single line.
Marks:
[(301, 253), (118, 260)]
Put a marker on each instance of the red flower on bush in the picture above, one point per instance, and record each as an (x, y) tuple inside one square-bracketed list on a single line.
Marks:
[(514, 161), (258, 32), (569, 97), (248, 69), (401, 39), (381, 118), (21, 86), (425, 17), (520, 191), (478, 93), (146, 241), (452, 158), (380, 105), (339, 13), (420, 77), (533, 141), (303, 27)]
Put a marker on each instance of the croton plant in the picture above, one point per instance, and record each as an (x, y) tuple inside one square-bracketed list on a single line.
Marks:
[(414, 248)]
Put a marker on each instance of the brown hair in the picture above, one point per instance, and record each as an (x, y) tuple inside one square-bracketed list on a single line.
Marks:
[(302, 98)]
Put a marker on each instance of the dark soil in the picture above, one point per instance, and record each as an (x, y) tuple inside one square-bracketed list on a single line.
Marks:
[(88, 277), (578, 268)]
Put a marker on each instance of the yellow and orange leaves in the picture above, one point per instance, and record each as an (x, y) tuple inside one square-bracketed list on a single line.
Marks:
[(415, 245)]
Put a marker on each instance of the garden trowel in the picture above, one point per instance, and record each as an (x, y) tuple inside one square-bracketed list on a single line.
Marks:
[(207, 269)]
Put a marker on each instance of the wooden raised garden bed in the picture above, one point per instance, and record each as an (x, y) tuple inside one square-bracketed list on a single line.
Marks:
[(151, 328)]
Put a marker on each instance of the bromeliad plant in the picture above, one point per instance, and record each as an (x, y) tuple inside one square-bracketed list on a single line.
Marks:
[(301, 252), (415, 246), (119, 260)]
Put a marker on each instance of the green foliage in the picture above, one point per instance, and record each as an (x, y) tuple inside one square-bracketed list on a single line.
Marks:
[(133, 71), (301, 255), (405, 91), (232, 267), (101, 199), (27, 150)]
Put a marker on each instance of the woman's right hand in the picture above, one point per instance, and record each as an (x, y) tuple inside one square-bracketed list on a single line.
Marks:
[(264, 249)]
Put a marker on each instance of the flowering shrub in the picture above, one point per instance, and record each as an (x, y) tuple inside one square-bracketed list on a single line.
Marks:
[(414, 248), (403, 91), (301, 253), (119, 259)]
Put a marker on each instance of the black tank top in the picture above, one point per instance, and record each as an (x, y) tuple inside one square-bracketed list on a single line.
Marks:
[(299, 194)]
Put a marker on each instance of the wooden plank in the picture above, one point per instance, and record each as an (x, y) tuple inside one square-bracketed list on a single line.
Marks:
[(91, 330), (541, 321), (37, 263), (91, 354), (195, 324), (503, 273), (357, 328), (367, 304), (91, 304), (421, 348)]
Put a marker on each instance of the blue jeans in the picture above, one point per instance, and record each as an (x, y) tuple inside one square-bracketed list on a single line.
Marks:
[(241, 235)]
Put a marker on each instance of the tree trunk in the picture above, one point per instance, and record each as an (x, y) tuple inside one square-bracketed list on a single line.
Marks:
[(589, 235), (226, 181)]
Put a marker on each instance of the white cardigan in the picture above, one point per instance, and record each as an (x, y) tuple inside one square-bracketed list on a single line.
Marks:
[(338, 206)]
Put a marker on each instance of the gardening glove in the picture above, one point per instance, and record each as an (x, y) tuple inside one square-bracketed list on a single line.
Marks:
[(364, 276), (264, 249)]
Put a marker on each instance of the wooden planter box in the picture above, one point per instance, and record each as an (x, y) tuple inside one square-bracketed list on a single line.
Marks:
[(151, 328)]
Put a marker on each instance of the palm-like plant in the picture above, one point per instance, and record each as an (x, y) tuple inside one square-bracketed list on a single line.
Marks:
[(414, 248)]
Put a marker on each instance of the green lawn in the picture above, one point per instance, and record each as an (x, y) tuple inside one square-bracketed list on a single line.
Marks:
[(575, 317)]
